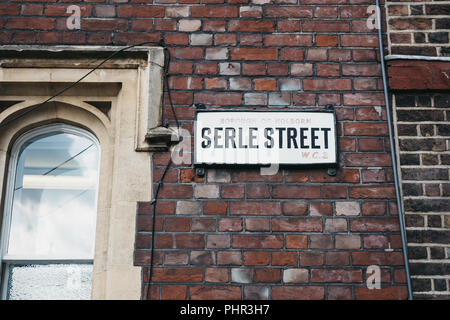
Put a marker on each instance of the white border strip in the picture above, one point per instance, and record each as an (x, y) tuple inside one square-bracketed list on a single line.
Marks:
[(411, 57)]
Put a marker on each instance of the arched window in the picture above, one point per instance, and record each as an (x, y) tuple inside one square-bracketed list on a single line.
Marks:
[(48, 227)]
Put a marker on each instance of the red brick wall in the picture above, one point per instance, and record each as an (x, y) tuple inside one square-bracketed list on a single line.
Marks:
[(299, 234)]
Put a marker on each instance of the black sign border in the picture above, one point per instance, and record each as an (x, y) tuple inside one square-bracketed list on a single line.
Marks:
[(329, 109)]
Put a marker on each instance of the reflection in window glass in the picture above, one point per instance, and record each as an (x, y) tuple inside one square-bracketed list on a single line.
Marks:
[(54, 202)]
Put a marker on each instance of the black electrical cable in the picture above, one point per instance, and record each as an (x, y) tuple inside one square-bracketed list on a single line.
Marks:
[(166, 88)]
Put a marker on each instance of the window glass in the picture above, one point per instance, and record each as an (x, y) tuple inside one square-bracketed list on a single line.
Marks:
[(49, 282), (54, 201)]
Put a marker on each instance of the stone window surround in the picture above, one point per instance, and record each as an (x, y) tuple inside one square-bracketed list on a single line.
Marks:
[(121, 105)]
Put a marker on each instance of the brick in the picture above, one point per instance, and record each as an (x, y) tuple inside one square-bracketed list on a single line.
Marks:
[(375, 242), (328, 70), (410, 24), (256, 293), (215, 207), (303, 192), (306, 99), (255, 99), (256, 258), (335, 225), (348, 241), (337, 258), (271, 275), (321, 241), (229, 258), (176, 258), (356, 40), (298, 208), (201, 39), (174, 292), (367, 159), (258, 192), (189, 25), (250, 12), (201, 258), (374, 224), (257, 241), (321, 209), (298, 292), (284, 258), (323, 40), (218, 241), (214, 25), (339, 293), (288, 26), (10, 9), (218, 98), (230, 224), (386, 293), (215, 292), (255, 208), (289, 12), (177, 224), (367, 192), (225, 39), (214, 12), (336, 275), (291, 54), (326, 26), (295, 275), (216, 275), (206, 191), (343, 175), (254, 176), (327, 84), (175, 191), (257, 224), (205, 68), (30, 23), (241, 275), (227, 68), (311, 259), (203, 224), (252, 39), (251, 26), (216, 53), (316, 54), (289, 84), (281, 40), (296, 242), (377, 258), (265, 84), (302, 69), (177, 12), (177, 275), (365, 129), (253, 54), (134, 11), (297, 224), (26, 9)]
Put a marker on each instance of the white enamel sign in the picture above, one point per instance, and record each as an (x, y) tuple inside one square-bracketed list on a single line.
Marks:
[(263, 138)]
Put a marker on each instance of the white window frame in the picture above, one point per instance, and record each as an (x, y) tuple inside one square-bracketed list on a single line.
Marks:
[(7, 260)]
